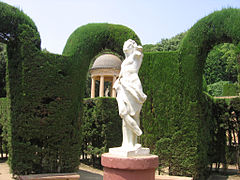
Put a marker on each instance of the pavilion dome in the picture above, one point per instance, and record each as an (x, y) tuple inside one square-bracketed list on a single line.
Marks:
[(107, 61)]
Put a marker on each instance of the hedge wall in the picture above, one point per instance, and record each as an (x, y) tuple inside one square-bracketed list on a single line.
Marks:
[(159, 74), (101, 128), (218, 27), (45, 130), (4, 120), (11, 18), (161, 116), (45, 91), (230, 90)]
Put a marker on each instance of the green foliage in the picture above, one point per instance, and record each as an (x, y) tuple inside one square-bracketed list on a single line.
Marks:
[(3, 57), (11, 18), (160, 116), (101, 127), (171, 44), (91, 39), (230, 90), (221, 64), (44, 129), (4, 121), (45, 91), (216, 89), (218, 27), (225, 120), (220, 116)]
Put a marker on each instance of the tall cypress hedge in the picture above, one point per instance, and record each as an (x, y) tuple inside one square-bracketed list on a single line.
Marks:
[(169, 131), (159, 74), (45, 91), (45, 131), (184, 145), (4, 119), (101, 128), (218, 27)]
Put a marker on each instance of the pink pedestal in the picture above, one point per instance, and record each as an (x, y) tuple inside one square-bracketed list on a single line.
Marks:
[(129, 168)]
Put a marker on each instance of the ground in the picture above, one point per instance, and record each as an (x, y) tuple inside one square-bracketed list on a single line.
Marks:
[(89, 173)]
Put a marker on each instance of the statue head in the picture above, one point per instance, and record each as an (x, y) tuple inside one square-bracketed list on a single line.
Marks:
[(129, 46)]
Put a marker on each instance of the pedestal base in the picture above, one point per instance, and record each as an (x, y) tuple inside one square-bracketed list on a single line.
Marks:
[(129, 168)]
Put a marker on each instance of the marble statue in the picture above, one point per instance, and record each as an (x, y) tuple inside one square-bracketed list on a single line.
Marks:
[(130, 96), (106, 92)]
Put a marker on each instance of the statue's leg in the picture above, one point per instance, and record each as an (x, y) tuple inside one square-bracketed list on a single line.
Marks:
[(137, 119), (124, 133), (132, 124), (127, 136)]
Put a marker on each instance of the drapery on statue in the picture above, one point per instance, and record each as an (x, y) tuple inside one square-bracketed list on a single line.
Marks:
[(130, 96)]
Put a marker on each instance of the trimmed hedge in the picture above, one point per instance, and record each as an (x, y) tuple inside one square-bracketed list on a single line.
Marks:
[(45, 91), (11, 18), (101, 128), (230, 90), (161, 114), (159, 75), (89, 40), (218, 27), (45, 129), (4, 120)]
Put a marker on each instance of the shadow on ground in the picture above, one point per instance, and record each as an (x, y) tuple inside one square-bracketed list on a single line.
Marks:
[(85, 175), (229, 174), (3, 160)]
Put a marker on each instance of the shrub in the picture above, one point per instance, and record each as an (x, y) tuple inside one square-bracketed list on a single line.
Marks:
[(4, 121), (217, 89), (230, 90), (101, 127)]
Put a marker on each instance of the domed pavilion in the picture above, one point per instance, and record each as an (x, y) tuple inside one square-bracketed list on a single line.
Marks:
[(105, 68)]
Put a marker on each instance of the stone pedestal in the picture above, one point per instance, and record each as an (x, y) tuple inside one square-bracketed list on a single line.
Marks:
[(129, 168)]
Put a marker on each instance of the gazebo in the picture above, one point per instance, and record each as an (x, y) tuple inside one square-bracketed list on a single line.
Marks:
[(105, 68)]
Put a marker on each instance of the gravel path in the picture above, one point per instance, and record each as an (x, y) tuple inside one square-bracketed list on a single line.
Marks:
[(4, 171)]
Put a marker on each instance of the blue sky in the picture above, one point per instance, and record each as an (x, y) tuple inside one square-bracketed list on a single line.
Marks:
[(152, 20)]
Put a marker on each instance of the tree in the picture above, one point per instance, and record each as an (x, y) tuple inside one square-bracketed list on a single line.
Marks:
[(171, 44), (221, 64)]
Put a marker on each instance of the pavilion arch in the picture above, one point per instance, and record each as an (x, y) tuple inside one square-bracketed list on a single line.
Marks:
[(219, 27)]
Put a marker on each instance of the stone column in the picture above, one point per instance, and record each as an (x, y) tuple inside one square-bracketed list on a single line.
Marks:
[(93, 88), (113, 90), (101, 88)]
